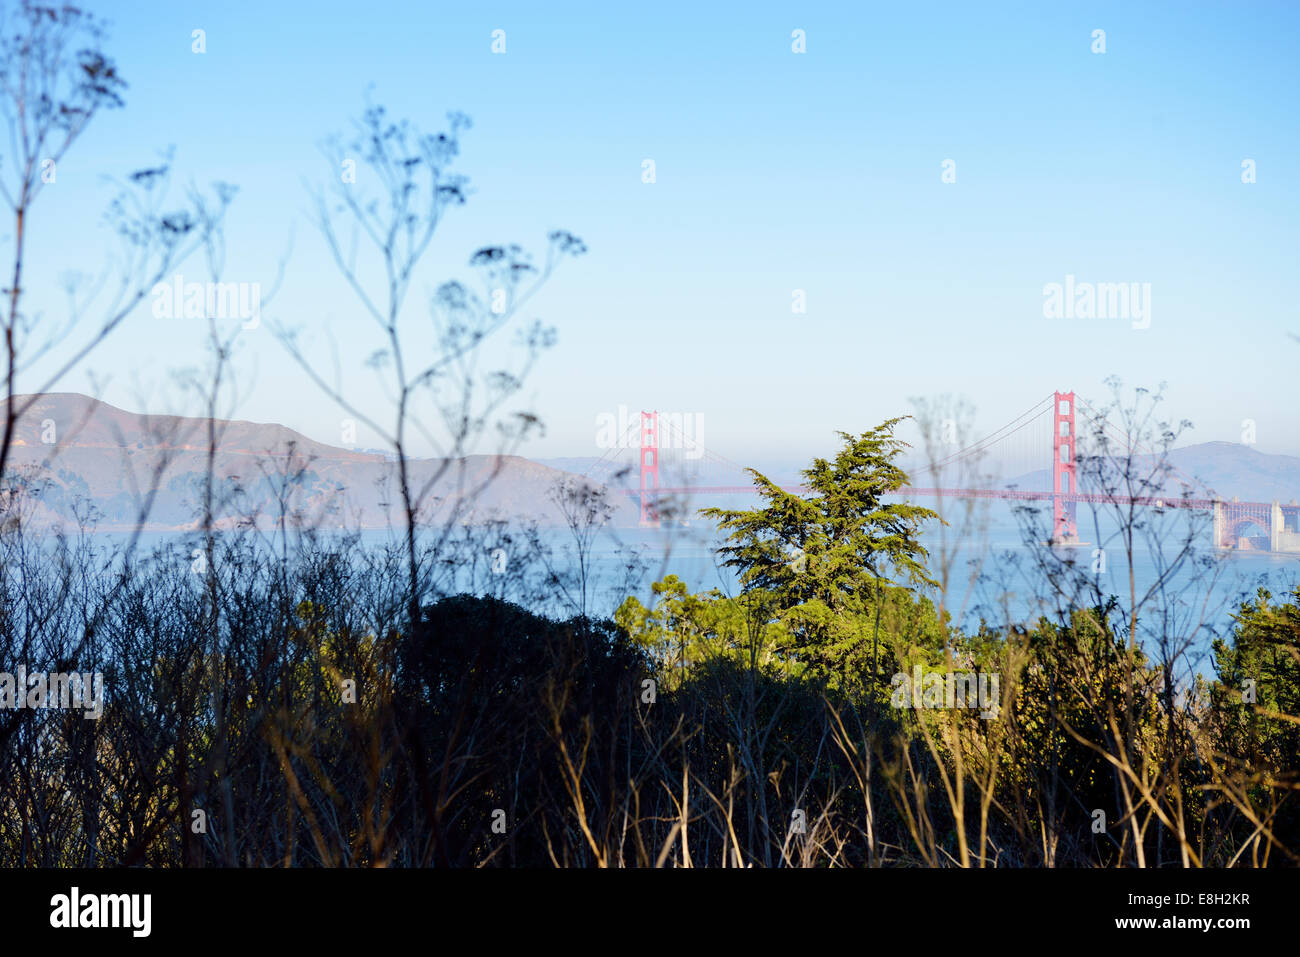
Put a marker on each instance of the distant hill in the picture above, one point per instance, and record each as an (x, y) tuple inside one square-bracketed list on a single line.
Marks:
[(73, 450), (1227, 469), (598, 470)]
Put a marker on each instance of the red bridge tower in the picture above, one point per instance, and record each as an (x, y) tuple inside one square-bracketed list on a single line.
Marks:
[(1064, 477), (649, 468)]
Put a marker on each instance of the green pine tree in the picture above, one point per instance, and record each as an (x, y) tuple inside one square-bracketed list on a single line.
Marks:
[(828, 560)]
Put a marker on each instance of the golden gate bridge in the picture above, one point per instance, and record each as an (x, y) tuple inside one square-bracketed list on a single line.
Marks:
[(666, 447)]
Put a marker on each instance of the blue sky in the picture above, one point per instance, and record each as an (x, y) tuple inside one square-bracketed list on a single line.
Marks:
[(775, 171)]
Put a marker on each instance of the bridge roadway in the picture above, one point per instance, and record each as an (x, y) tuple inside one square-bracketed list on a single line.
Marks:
[(1280, 523)]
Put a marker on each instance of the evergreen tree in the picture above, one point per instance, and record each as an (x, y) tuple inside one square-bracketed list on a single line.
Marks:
[(827, 559)]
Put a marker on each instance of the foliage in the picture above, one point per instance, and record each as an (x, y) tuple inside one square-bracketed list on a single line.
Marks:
[(824, 562)]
